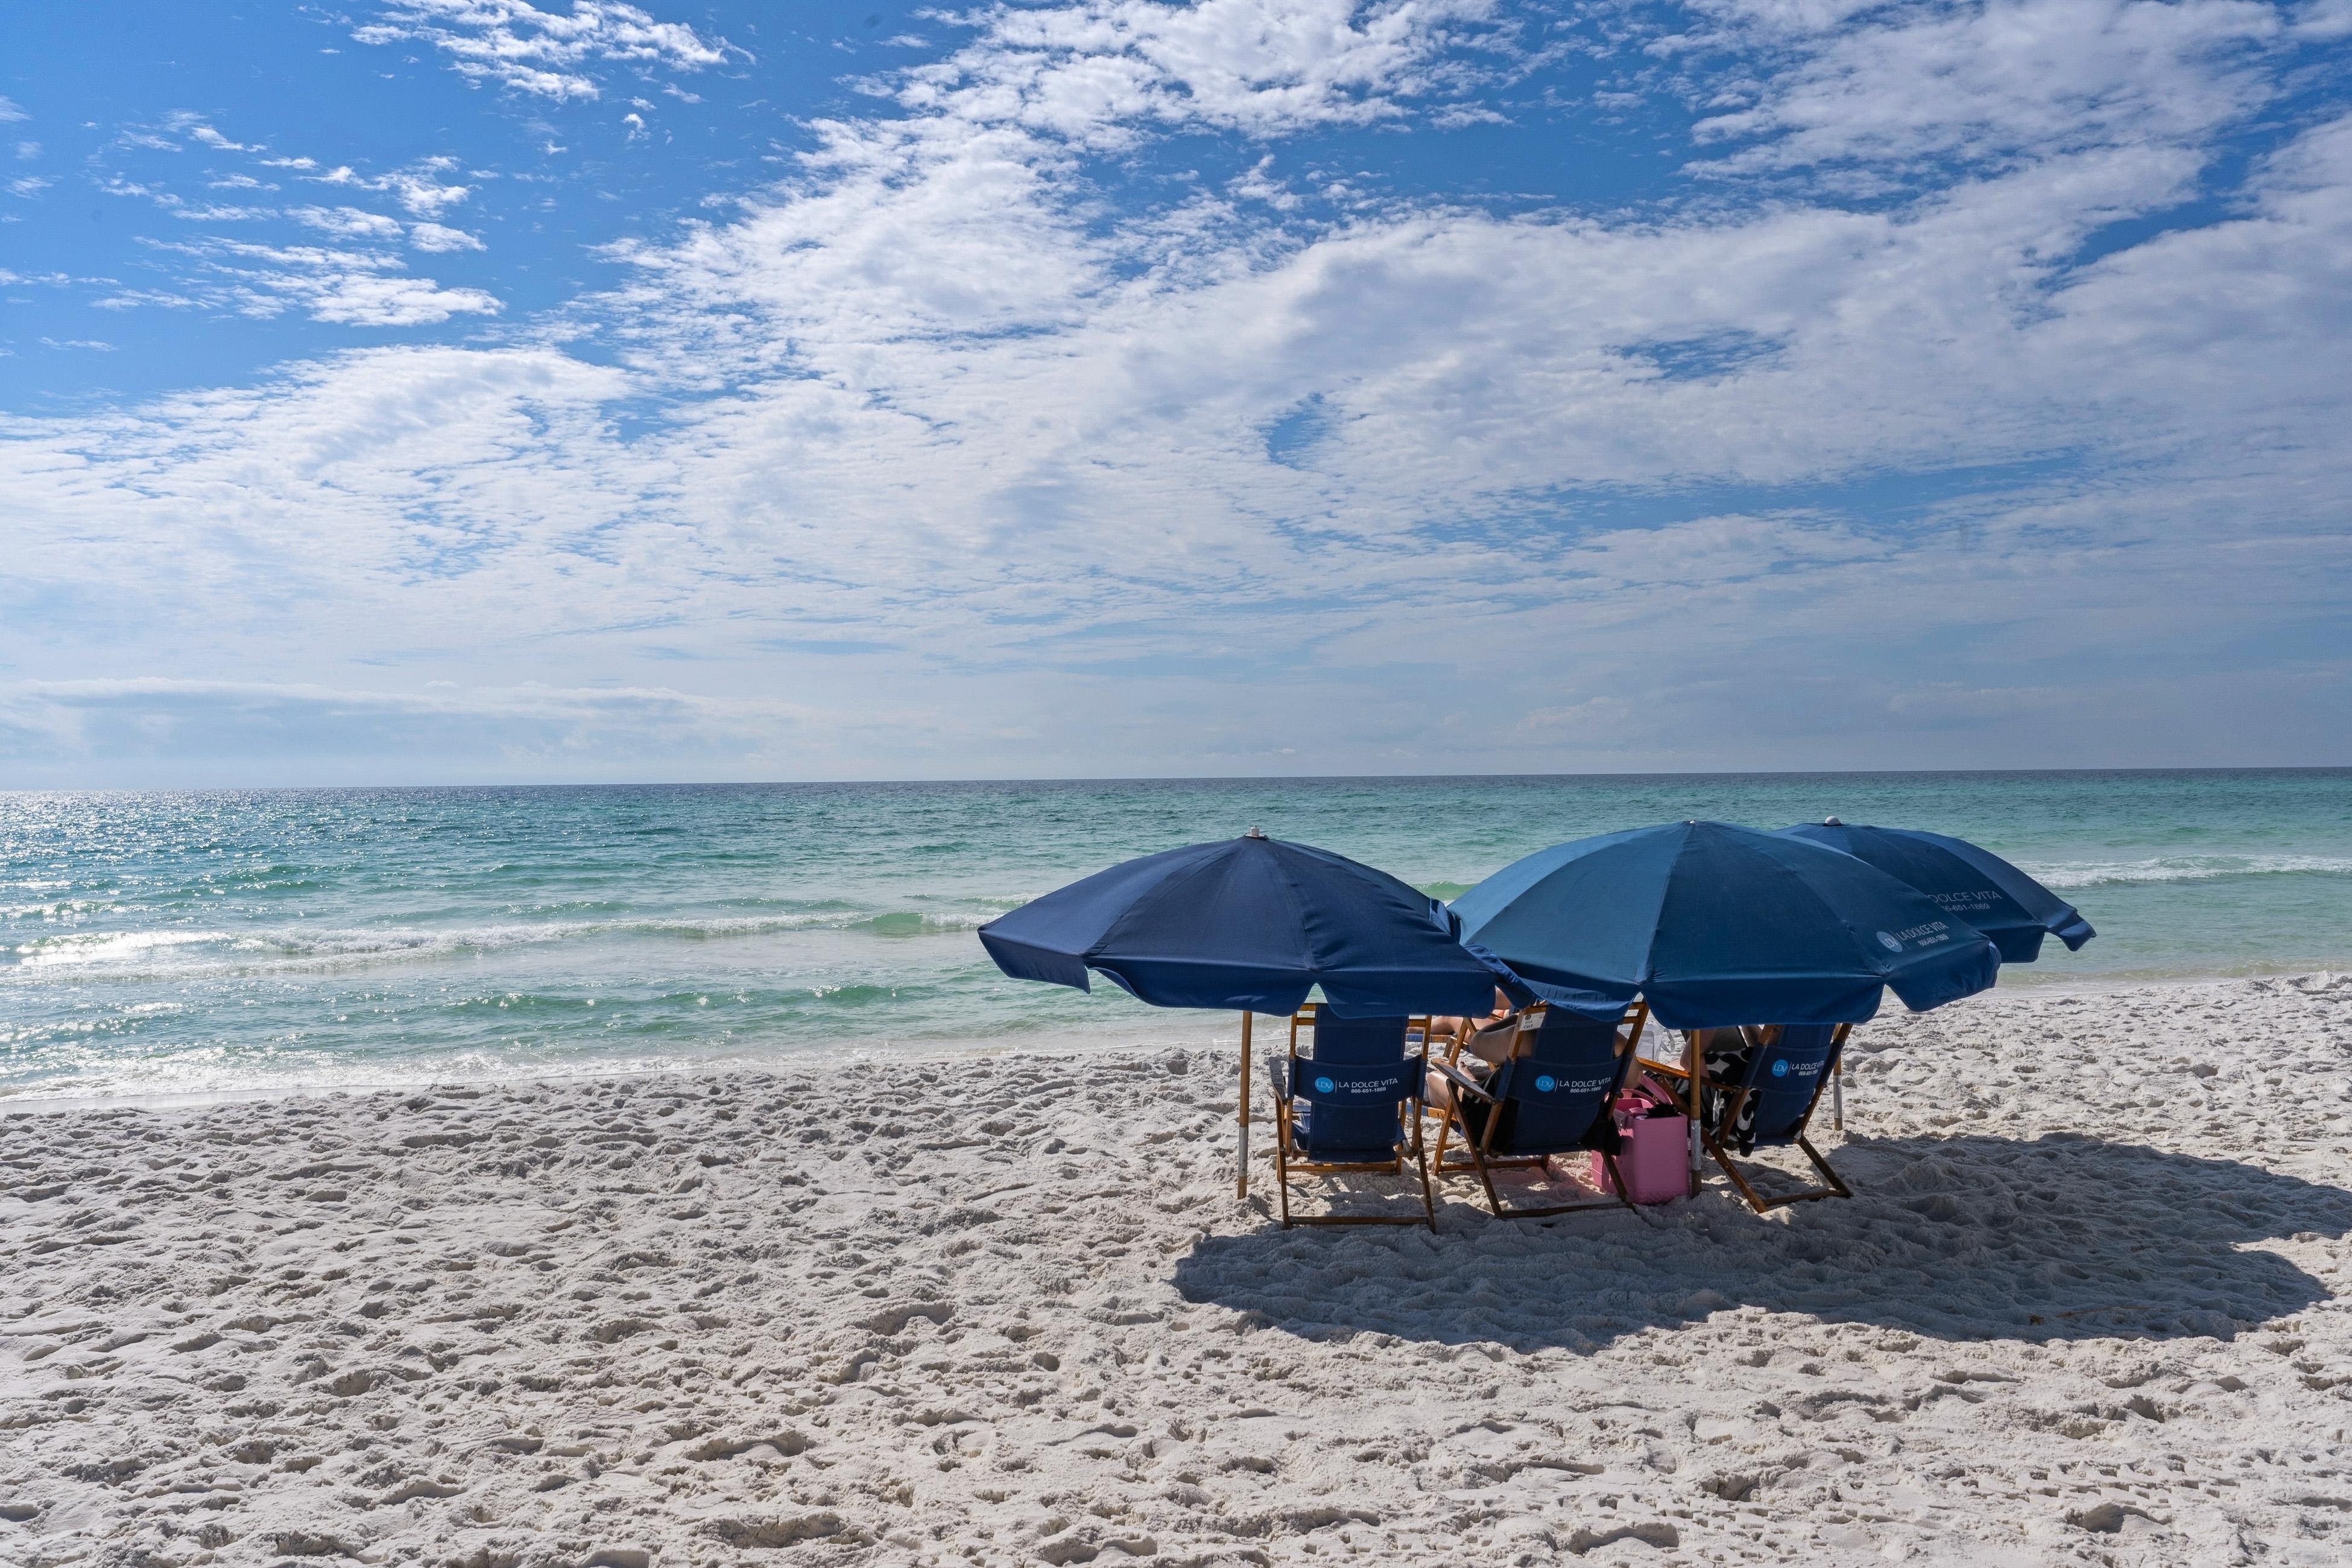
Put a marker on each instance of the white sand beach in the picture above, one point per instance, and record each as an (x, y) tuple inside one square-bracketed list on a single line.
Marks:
[(2089, 1307)]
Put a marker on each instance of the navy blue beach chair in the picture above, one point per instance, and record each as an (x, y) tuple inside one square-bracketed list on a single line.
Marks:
[(1763, 1096), (1351, 1104), (1552, 1091)]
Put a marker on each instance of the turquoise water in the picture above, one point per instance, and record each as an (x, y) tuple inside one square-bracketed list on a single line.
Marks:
[(217, 942)]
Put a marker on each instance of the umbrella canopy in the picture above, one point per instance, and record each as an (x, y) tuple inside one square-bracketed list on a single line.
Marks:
[(1975, 884), (1715, 925), (1250, 924)]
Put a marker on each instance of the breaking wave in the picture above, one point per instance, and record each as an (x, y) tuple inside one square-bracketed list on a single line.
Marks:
[(180, 951), (2066, 875)]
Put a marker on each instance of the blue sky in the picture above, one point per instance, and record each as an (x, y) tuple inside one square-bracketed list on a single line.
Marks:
[(453, 390)]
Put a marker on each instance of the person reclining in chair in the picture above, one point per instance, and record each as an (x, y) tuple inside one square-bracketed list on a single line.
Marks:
[(1449, 1033), (1727, 1054), (1758, 1089), (1476, 1046), (1536, 1086)]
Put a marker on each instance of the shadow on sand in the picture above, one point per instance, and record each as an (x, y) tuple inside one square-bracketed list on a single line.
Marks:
[(1960, 1239)]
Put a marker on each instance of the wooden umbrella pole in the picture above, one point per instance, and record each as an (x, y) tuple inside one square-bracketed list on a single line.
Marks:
[(1837, 1093), (1241, 1182)]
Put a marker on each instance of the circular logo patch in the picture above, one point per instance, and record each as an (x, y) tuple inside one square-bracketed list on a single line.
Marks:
[(1324, 1086), (1781, 1070), (1546, 1084), (1890, 941)]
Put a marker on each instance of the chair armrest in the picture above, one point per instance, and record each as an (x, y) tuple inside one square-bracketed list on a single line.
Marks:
[(1681, 1075), (1277, 1071), (1465, 1083)]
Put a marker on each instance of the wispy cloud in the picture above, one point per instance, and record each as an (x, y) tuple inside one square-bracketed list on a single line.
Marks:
[(198, 131), (2011, 81), (531, 728), (1110, 70), (327, 283), (440, 237), (550, 53), (358, 287), (349, 223), (419, 187), (362, 280)]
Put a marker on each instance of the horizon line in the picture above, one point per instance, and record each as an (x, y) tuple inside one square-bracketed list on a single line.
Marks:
[(1179, 779)]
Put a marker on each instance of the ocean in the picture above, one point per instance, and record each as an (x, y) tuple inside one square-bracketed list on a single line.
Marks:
[(162, 944)]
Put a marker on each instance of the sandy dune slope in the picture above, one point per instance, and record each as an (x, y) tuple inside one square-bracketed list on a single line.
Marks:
[(1005, 1310)]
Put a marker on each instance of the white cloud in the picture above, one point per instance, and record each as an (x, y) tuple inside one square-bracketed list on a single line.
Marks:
[(355, 288), (419, 187), (213, 139), (352, 479), (2006, 79), (179, 208), (347, 223), (1106, 70), (423, 194), (552, 54), (360, 281), (11, 111), (133, 299), (331, 290), (437, 236)]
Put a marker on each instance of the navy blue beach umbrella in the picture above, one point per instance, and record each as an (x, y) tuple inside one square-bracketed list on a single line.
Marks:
[(1254, 925), (1718, 925), (1963, 880)]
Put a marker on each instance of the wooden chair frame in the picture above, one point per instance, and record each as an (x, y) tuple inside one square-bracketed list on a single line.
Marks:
[(1484, 1161), (1407, 1145), (1834, 1186)]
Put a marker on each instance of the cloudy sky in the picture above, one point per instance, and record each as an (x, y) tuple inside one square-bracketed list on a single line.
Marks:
[(457, 389)]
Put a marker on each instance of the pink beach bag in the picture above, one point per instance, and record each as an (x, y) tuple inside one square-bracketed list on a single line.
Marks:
[(1655, 1154)]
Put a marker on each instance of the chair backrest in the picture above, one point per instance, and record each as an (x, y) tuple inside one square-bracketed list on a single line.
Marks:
[(1336, 1121), (1371, 1087), (1570, 1036), (1785, 1076), (1558, 1087)]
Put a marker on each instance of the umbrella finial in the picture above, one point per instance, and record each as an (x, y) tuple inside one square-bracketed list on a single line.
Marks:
[(1254, 833), (1832, 822)]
